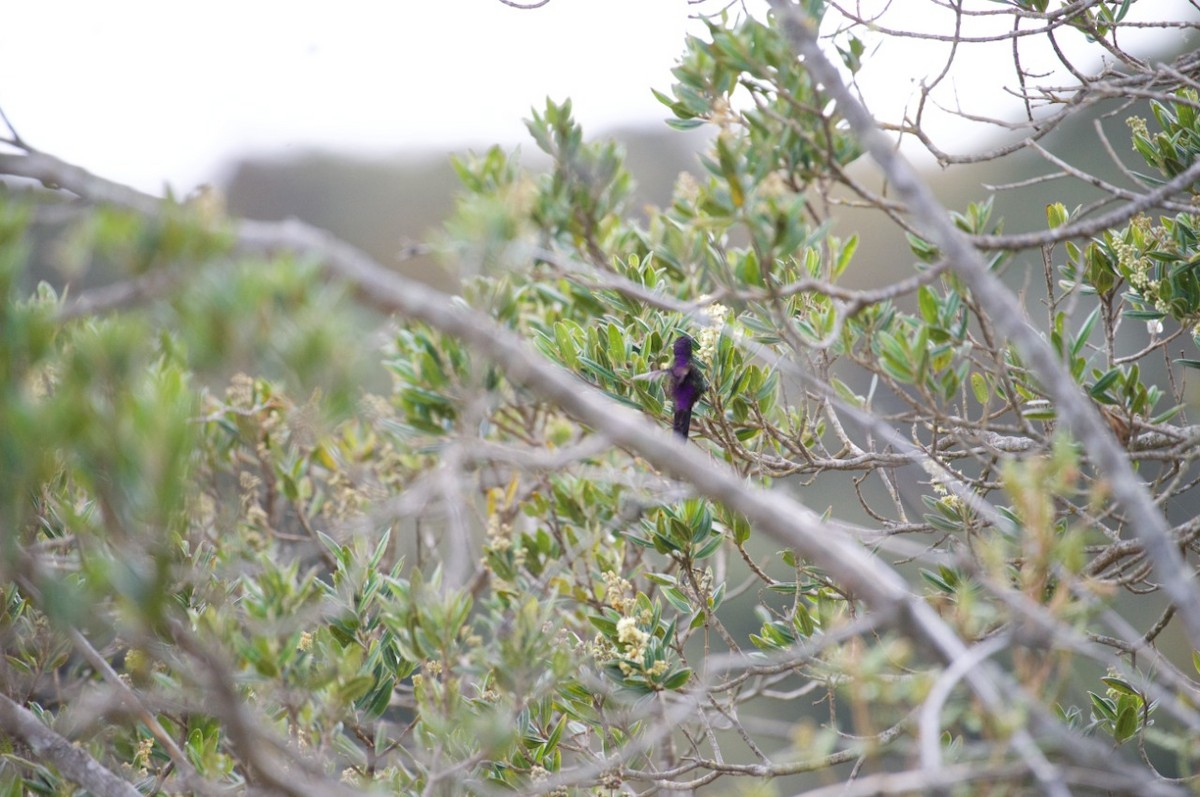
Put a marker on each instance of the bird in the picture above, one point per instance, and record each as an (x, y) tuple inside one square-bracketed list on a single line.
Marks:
[(686, 385)]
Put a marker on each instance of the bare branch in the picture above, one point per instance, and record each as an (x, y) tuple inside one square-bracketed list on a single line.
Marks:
[(1095, 225), (72, 761), (15, 137)]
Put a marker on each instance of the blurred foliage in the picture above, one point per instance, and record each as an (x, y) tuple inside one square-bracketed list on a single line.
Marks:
[(435, 586)]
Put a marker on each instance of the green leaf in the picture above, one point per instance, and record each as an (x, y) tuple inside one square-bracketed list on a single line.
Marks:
[(677, 679), (1103, 706), (741, 529), (844, 256), (556, 734), (1119, 685), (340, 552), (1098, 390), (1126, 724), (376, 702), (1057, 215), (606, 625), (1085, 332), (709, 549), (936, 580), (566, 346), (927, 301), (677, 599), (354, 688), (729, 170), (616, 345), (980, 387)]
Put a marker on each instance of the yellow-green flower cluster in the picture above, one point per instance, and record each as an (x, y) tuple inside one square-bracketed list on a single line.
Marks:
[(773, 186), (633, 641), (1131, 261), (615, 591), (938, 479), (499, 535), (633, 638), (1137, 125), (141, 757), (686, 187), (714, 315)]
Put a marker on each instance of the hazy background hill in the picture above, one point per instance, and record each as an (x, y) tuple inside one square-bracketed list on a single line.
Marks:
[(381, 205)]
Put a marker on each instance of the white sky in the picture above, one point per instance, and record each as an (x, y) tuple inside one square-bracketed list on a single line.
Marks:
[(153, 92)]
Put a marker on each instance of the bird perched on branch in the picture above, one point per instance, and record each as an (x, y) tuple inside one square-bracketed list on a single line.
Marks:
[(686, 385)]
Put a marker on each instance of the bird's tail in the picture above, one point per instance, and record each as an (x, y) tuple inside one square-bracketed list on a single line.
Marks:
[(682, 422)]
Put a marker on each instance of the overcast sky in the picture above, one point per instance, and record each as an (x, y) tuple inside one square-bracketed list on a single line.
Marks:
[(153, 92)]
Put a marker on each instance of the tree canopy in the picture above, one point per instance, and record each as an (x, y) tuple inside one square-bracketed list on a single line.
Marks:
[(277, 519)]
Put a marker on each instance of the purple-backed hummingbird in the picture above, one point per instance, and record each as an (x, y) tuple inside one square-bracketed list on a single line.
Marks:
[(686, 385)]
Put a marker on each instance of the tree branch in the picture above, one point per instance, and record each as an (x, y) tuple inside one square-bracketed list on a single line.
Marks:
[(72, 762), (1087, 228)]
